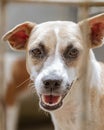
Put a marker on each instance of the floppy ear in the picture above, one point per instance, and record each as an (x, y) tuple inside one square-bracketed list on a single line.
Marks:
[(95, 30), (18, 36)]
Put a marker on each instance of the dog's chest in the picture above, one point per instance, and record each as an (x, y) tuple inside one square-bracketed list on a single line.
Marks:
[(69, 116), (72, 115)]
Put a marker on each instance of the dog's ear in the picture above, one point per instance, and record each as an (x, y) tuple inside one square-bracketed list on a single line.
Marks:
[(94, 30), (18, 36)]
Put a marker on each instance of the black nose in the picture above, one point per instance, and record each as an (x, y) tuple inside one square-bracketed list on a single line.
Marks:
[(52, 84)]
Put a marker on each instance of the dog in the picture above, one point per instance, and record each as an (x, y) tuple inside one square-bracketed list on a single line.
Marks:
[(61, 63), (15, 88)]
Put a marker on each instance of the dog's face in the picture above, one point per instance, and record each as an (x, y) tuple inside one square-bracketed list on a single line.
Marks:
[(55, 54)]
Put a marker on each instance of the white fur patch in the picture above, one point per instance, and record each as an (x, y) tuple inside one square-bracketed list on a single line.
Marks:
[(72, 74), (94, 72), (33, 73)]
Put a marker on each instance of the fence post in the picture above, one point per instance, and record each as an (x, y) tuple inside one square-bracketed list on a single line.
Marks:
[(83, 13), (2, 52)]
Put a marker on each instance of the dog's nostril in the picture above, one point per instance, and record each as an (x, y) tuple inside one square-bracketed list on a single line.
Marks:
[(52, 83), (46, 83), (57, 83)]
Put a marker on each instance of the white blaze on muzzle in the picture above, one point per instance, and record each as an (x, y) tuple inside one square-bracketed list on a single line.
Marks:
[(56, 68)]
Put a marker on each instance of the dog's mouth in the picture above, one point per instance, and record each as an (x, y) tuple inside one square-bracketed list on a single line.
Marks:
[(51, 102)]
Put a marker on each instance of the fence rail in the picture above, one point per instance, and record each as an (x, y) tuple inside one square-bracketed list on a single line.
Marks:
[(67, 2)]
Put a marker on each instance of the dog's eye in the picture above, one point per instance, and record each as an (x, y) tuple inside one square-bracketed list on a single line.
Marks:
[(36, 53), (71, 53)]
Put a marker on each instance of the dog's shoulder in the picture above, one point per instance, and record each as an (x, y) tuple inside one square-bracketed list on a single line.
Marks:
[(101, 103), (98, 90)]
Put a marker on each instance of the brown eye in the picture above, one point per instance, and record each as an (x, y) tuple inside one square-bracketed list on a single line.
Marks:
[(71, 53), (36, 53)]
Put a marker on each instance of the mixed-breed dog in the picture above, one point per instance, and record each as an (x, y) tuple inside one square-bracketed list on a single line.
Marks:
[(60, 63)]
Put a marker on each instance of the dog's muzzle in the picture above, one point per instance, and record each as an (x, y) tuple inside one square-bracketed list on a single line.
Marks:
[(53, 98)]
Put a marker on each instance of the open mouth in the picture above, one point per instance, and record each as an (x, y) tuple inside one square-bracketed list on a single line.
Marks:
[(51, 102)]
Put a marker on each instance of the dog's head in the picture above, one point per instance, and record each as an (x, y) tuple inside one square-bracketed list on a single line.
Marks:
[(55, 54)]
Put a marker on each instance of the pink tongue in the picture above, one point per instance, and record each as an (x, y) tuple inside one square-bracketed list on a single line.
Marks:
[(51, 99)]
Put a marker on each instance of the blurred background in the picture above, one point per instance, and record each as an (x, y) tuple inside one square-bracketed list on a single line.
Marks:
[(15, 12)]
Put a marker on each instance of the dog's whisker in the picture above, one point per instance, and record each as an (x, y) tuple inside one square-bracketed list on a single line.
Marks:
[(31, 85), (33, 91), (23, 83), (32, 88)]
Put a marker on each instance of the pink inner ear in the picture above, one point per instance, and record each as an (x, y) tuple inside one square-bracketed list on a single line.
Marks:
[(19, 37), (22, 34), (97, 32)]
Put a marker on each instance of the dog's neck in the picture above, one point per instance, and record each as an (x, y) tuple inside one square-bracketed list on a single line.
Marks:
[(90, 72), (93, 72)]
